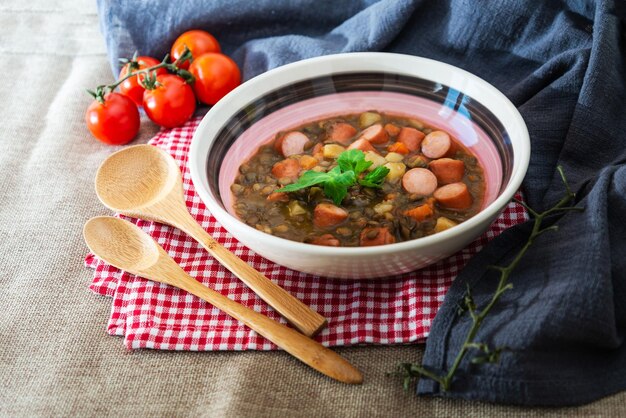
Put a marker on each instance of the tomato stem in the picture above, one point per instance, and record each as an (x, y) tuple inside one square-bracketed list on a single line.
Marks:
[(104, 89)]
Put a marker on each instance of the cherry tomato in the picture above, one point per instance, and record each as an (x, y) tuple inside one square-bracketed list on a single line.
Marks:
[(132, 87), (171, 103), (198, 41), (216, 75), (114, 122)]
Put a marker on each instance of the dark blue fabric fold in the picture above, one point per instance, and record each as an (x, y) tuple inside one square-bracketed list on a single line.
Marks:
[(563, 65)]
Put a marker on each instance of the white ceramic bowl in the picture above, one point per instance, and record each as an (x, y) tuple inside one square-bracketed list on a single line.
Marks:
[(474, 111)]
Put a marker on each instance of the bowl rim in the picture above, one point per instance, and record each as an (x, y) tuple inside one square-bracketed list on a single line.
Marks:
[(355, 62)]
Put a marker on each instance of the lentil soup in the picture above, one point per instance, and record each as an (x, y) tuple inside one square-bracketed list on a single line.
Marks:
[(429, 182)]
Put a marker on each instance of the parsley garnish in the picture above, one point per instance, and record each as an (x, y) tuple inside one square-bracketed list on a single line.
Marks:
[(336, 182)]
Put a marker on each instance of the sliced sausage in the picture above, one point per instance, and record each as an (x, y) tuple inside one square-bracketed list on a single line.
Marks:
[(376, 236), (326, 215), (341, 132), (454, 196), (278, 197), (447, 170), (362, 144), (376, 134), (420, 213), (292, 143), (419, 181), (436, 144), (327, 240), (392, 129), (288, 168), (411, 137)]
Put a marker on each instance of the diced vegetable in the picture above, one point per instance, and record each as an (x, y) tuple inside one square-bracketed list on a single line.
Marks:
[(376, 159), (383, 207), (416, 124), (417, 161), (444, 223), (295, 208), (307, 162), (332, 150), (420, 213), (368, 118), (398, 148), (394, 157), (396, 170)]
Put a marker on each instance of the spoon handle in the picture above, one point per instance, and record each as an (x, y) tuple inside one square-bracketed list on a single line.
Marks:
[(306, 320), (303, 348)]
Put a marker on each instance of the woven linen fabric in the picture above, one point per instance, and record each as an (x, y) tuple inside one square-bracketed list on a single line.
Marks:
[(154, 315), (56, 358), (563, 65)]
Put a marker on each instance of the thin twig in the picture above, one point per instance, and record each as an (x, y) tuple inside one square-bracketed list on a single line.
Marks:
[(445, 379)]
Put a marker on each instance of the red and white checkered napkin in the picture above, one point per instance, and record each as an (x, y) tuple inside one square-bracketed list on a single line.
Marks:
[(154, 315)]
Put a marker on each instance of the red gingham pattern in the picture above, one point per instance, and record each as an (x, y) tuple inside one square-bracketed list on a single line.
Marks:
[(154, 315)]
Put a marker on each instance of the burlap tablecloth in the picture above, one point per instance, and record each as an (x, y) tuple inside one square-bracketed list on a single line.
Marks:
[(55, 357)]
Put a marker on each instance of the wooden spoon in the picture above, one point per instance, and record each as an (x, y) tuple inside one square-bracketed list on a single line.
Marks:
[(144, 181), (125, 246)]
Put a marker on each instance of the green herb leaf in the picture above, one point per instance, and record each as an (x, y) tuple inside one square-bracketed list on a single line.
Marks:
[(375, 178), (353, 160), (337, 181), (307, 179), (337, 187)]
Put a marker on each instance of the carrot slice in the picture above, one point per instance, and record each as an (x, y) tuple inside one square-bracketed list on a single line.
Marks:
[(420, 213), (398, 147)]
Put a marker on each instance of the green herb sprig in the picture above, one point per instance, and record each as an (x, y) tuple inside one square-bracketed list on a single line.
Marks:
[(336, 182), (486, 354)]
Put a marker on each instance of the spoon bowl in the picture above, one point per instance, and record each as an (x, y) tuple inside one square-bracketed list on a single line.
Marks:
[(136, 177), (121, 244)]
